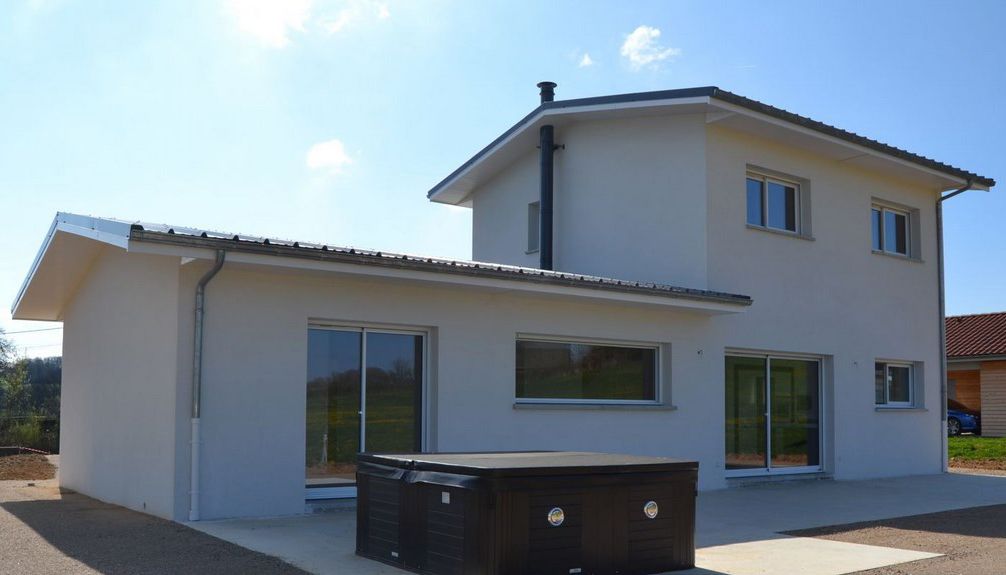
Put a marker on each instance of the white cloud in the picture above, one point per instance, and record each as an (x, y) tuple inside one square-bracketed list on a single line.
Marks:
[(270, 20), (642, 48), (354, 11), (330, 155), (586, 61)]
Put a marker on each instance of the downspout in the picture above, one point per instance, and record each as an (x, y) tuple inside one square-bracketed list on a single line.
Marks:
[(197, 383), (546, 145), (944, 461)]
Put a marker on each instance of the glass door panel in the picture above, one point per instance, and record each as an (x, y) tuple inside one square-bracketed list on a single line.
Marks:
[(393, 388), (746, 442), (333, 406), (795, 406)]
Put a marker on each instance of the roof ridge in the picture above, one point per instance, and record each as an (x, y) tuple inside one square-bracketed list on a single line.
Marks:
[(988, 313)]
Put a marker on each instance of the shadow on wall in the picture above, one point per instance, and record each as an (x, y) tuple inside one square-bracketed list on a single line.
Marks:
[(116, 541)]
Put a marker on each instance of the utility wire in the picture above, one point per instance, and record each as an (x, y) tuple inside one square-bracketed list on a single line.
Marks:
[(30, 330)]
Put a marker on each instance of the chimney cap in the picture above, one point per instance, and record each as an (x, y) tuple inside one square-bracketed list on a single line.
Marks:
[(547, 91)]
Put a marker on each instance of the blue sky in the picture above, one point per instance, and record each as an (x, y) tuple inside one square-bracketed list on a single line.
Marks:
[(329, 120)]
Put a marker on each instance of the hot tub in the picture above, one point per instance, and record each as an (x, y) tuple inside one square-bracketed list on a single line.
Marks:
[(526, 513)]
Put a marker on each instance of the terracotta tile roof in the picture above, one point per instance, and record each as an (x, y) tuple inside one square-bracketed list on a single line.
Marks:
[(976, 335)]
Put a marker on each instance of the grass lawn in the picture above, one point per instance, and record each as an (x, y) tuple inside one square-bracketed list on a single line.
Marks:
[(980, 452)]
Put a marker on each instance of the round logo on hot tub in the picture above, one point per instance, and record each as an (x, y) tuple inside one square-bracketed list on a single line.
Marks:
[(651, 509), (556, 516)]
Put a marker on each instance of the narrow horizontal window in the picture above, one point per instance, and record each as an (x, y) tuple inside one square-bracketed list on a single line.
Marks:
[(572, 371)]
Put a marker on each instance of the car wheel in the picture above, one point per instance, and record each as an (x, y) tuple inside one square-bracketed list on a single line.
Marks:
[(953, 426)]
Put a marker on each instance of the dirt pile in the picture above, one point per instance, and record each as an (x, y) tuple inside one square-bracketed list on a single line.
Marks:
[(26, 466)]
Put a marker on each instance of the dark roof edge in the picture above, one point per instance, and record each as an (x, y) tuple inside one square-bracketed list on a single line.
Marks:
[(730, 98), (427, 264), (979, 357)]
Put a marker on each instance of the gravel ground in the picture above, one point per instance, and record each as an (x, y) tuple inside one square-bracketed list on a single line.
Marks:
[(972, 540), (44, 531), (26, 466)]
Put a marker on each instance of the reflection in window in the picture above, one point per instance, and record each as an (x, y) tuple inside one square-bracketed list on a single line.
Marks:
[(891, 230), (582, 371), (773, 203)]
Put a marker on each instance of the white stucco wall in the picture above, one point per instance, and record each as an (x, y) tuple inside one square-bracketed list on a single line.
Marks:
[(255, 378), (832, 296), (629, 202), (117, 411)]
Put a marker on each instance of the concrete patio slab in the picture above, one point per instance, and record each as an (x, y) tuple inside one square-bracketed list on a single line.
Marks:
[(739, 531), (798, 555)]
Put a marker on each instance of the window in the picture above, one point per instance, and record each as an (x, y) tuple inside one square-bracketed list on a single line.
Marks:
[(894, 383), (773, 203), (891, 230), (585, 372), (533, 226)]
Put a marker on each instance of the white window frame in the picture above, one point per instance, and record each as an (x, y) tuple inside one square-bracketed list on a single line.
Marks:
[(533, 227), (349, 491), (658, 376), (821, 441), (888, 404), (797, 199), (909, 230)]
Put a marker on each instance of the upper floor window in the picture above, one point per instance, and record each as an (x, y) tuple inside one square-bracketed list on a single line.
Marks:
[(773, 203), (893, 230), (533, 226)]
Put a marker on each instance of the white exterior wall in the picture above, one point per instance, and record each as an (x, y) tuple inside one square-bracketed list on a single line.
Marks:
[(117, 405), (503, 238), (628, 202), (833, 297), (256, 364)]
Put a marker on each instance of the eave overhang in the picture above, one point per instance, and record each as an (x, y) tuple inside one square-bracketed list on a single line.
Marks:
[(74, 242), (718, 106), (67, 252)]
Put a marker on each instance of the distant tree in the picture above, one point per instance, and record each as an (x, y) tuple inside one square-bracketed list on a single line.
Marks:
[(6, 353)]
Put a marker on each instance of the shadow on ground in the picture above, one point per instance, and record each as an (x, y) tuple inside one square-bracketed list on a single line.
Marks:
[(116, 541), (984, 522)]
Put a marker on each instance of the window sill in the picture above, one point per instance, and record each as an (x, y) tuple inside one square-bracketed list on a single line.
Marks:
[(594, 406), (891, 409), (898, 256), (780, 232), (529, 252)]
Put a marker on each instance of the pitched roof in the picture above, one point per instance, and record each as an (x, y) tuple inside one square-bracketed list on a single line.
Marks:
[(715, 93), (976, 335), (122, 233)]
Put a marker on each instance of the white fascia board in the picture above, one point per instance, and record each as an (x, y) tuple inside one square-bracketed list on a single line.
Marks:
[(111, 232), (517, 286), (856, 148)]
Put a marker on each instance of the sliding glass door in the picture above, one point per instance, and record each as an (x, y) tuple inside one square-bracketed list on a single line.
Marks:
[(773, 415), (364, 393)]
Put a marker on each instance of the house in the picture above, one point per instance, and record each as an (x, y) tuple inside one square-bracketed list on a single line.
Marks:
[(976, 367), (684, 273)]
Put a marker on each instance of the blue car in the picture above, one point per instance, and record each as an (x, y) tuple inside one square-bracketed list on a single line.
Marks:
[(961, 419)]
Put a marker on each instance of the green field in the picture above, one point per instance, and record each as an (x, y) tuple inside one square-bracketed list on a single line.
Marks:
[(973, 448)]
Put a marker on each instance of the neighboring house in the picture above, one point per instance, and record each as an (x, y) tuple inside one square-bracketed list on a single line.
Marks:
[(976, 367), (685, 273)]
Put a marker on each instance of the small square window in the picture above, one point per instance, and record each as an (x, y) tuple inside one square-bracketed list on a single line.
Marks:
[(894, 384), (773, 203), (533, 226), (891, 230)]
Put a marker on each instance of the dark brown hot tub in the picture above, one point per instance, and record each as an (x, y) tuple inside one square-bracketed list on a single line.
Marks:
[(526, 513)]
